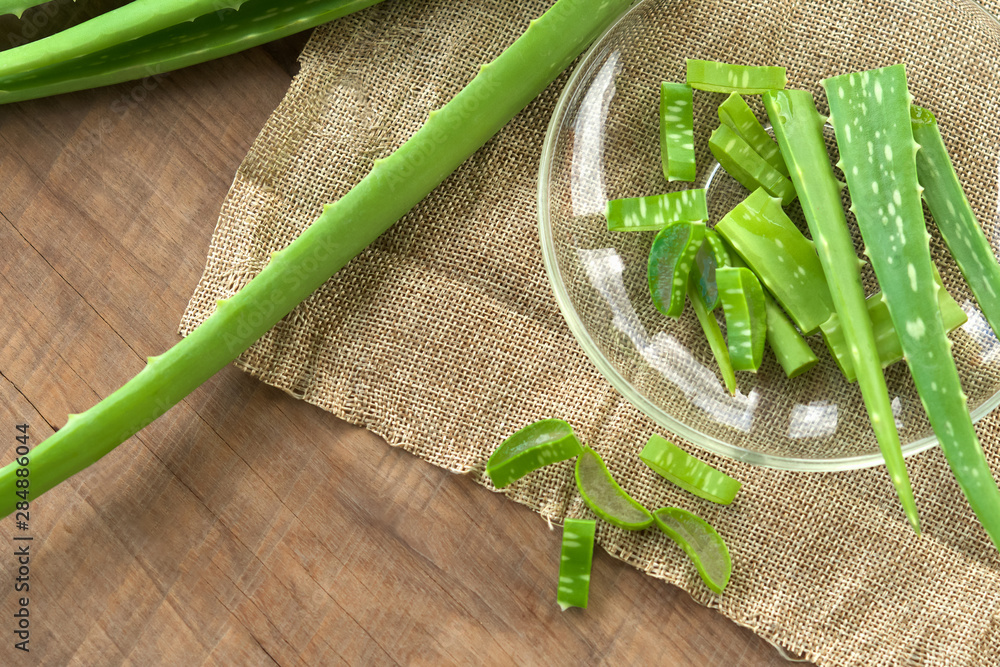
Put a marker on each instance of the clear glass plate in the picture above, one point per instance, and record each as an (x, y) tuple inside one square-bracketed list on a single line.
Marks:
[(603, 143)]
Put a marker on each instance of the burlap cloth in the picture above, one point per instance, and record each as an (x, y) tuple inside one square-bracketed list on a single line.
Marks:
[(444, 337)]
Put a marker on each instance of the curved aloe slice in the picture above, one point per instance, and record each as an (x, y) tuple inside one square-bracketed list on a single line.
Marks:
[(677, 132), (746, 324), (646, 214), (669, 266), (575, 560), (781, 256), (737, 114), (534, 446), (799, 129), (604, 497), (700, 542), (743, 163), (725, 78), (210, 36), (697, 477), (881, 171), (954, 217)]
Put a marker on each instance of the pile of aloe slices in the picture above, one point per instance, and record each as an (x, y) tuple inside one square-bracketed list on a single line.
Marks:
[(776, 285)]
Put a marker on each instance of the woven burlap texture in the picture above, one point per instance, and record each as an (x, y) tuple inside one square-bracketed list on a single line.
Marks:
[(444, 337)]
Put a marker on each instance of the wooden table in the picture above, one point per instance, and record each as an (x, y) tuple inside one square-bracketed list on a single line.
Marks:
[(246, 527)]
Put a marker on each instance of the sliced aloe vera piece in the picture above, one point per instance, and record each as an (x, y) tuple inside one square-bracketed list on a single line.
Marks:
[(700, 542), (788, 346), (713, 334), (781, 256), (604, 497), (746, 316), (575, 561), (719, 77), (646, 214), (743, 163), (954, 217), (534, 446), (677, 131), (670, 260), (695, 476), (737, 114)]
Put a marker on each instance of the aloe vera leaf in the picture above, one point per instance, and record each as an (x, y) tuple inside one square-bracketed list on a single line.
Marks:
[(669, 266), (781, 256), (737, 114), (605, 497), (576, 558), (702, 277), (394, 186), (133, 20), (743, 163), (646, 214), (530, 448), (954, 217), (677, 132), (207, 37), (691, 474), (703, 545), (713, 334), (746, 316), (886, 340), (788, 346), (799, 129), (725, 78), (878, 157), (17, 7)]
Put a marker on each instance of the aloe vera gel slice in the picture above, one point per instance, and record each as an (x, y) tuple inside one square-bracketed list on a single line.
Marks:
[(697, 477), (677, 131), (604, 497), (575, 561), (670, 260), (746, 324), (725, 78), (700, 542), (781, 256), (534, 446), (737, 114), (743, 163), (645, 214)]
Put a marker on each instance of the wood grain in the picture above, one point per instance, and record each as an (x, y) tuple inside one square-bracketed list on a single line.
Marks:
[(246, 527)]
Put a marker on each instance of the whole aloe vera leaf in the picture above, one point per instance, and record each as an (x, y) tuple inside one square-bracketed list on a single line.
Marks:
[(954, 217), (742, 162), (208, 37), (882, 179), (670, 260), (737, 114), (726, 78), (788, 346), (886, 339), (799, 129), (742, 300), (677, 132), (396, 184), (135, 19), (781, 256)]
